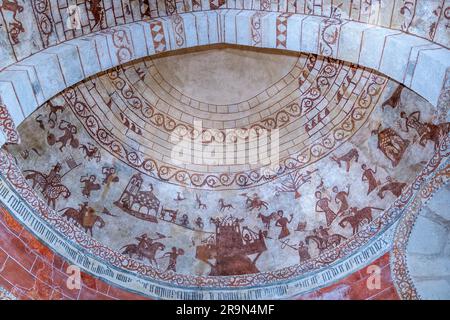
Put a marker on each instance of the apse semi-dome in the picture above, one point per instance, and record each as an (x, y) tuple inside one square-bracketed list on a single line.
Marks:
[(348, 105)]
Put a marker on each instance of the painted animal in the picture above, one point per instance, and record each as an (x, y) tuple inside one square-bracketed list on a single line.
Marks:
[(91, 152), (148, 253), (50, 185), (224, 206), (171, 213), (37, 178), (88, 226), (267, 219), (53, 114), (255, 202), (72, 214), (52, 194), (85, 218), (347, 158), (200, 204), (130, 250), (394, 187), (322, 244), (434, 133), (54, 109), (358, 218)]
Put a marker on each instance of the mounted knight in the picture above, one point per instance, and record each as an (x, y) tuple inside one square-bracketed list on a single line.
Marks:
[(146, 248), (323, 239), (254, 202), (50, 184), (86, 217)]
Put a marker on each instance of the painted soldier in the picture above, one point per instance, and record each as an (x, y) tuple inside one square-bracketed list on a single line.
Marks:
[(341, 198), (69, 135), (413, 122), (89, 185), (185, 220), (303, 252), (173, 256), (54, 177), (247, 239), (322, 244), (110, 175), (199, 223), (323, 205), (369, 176), (173, 216), (324, 234), (83, 208), (256, 199), (144, 243), (283, 222), (89, 217)]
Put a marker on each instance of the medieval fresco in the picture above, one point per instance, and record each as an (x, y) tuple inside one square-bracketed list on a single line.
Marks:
[(351, 141)]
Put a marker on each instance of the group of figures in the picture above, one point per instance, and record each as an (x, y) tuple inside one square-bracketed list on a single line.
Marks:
[(148, 248), (393, 145), (368, 176), (250, 223), (51, 184)]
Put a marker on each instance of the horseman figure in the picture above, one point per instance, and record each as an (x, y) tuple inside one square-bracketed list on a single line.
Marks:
[(146, 248), (50, 184), (86, 217)]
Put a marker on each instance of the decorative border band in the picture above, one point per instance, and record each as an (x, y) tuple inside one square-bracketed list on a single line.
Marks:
[(400, 273), (7, 125)]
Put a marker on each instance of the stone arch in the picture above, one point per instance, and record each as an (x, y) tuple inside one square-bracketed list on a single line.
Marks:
[(415, 62), (404, 52)]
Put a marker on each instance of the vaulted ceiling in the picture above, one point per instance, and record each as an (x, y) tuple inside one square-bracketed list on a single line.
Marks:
[(99, 100)]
